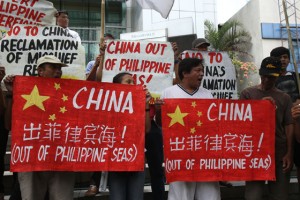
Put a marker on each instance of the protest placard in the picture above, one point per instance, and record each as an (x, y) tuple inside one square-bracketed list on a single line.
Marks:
[(219, 73), (25, 44), (214, 140), (30, 12), (72, 125), (150, 63)]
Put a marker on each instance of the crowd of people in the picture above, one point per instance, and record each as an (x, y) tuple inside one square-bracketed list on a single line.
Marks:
[(277, 85)]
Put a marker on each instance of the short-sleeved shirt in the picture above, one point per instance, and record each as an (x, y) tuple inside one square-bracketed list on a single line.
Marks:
[(176, 91), (283, 114), (89, 67)]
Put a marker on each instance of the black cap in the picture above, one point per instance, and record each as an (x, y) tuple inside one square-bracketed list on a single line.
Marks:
[(270, 66), (198, 42)]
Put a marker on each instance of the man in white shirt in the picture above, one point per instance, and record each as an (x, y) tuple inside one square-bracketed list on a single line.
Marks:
[(62, 20), (191, 72)]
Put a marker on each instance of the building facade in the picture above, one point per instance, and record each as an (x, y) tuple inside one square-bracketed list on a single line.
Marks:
[(121, 16), (265, 21)]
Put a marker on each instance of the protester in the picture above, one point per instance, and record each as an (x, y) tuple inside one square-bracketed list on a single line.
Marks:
[(278, 189), (90, 73), (200, 44), (287, 82), (62, 20), (92, 66), (3, 136), (34, 185), (129, 185), (191, 72)]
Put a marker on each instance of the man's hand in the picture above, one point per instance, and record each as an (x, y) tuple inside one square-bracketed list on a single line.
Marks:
[(8, 81), (287, 163), (2, 72)]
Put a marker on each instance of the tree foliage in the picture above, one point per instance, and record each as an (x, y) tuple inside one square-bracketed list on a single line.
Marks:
[(231, 37)]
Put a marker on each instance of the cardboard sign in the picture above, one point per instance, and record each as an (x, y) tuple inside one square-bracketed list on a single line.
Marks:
[(219, 73), (69, 125), (25, 44), (150, 63), (30, 12), (214, 140)]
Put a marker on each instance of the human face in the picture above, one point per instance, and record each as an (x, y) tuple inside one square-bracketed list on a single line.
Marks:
[(194, 78), (62, 20), (202, 47), (50, 71), (268, 82), (127, 79), (285, 60)]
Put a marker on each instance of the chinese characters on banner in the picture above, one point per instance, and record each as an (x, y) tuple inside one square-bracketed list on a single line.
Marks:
[(69, 125), (219, 77), (151, 63), (212, 140)]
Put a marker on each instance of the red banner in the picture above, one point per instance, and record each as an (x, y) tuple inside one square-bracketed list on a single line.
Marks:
[(213, 140), (69, 125)]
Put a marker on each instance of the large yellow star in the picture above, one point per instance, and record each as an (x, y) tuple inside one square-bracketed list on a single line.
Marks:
[(34, 98), (177, 117)]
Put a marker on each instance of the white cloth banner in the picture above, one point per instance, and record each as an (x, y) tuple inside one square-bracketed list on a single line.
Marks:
[(35, 12), (150, 63), (162, 6), (219, 73), (20, 50)]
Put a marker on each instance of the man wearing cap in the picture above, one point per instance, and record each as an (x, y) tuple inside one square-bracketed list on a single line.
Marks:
[(34, 185), (200, 44), (269, 72)]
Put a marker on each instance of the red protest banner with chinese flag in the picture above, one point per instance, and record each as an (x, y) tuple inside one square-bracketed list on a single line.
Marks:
[(71, 125), (213, 140)]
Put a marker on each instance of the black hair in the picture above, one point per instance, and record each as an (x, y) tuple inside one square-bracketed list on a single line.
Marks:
[(109, 35), (118, 78), (62, 12), (279, 51), (187, 64)]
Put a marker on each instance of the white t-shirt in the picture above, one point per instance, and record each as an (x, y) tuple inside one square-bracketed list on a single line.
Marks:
[(176, 91)]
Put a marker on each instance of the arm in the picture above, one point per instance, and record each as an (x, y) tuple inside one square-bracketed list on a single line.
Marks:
[(296, 116), (288, 158), (8, 81), (92, 75), (148, 120)]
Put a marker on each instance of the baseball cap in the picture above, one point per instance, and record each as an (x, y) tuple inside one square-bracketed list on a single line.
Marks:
[(50, 59), (198, 42), (270, 66)]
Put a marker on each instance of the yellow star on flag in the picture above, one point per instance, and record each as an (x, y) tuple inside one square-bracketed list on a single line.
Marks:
[(199, 123), (34, 98), (63, 110), (194, 104), (57, 86), (193, 130), (177, 117), (52, 117), (199, 114), (64, 98)]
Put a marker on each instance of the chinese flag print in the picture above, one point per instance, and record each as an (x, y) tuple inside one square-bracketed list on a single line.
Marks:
[(214, 140), (71, 125)]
